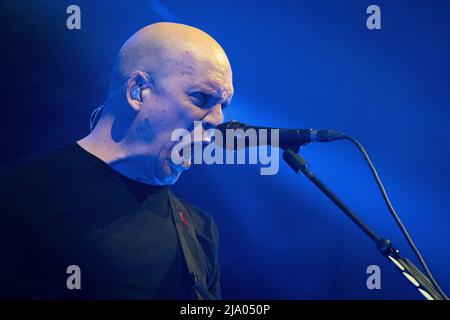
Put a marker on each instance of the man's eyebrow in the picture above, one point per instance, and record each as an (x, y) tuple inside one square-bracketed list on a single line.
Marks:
[(214, 90), (209, 88)]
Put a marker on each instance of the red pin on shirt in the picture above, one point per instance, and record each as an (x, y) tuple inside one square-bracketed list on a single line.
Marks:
[(184, 218)]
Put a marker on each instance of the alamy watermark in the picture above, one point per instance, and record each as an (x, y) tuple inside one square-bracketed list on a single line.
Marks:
[(73, 21), (373, 21), (373, 282), (74, 280), (190, 148)]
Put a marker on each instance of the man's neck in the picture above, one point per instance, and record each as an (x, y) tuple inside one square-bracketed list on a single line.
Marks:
[(106, 150), (116, 156)]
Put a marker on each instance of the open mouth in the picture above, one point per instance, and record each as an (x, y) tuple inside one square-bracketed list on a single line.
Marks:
[(187, 153), (186, 159)]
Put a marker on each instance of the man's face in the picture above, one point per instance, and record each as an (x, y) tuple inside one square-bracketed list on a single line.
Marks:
[(198, 90)]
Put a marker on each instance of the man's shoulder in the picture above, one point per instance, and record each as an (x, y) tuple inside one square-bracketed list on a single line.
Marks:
[(26, 183), (35, 168)]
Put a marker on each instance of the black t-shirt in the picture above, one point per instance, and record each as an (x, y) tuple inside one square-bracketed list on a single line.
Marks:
[(67, 207)]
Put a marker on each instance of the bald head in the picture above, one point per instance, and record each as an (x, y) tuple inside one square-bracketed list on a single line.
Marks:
[(164, 49)]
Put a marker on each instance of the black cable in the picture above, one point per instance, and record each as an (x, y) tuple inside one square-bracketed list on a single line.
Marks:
[(394, 213)]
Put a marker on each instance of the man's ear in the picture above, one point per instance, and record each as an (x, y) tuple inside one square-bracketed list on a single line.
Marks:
[(137, 82)]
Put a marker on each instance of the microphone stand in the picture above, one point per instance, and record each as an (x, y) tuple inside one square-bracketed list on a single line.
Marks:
[(405, 266)]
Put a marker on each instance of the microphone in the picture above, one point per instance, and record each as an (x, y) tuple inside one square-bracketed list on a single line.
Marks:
[(288, 138)]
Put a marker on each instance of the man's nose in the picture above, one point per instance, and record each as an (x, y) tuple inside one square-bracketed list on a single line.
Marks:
[(212, 120), (214, 117)]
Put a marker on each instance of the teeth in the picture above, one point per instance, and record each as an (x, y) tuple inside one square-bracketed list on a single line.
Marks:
[(186, 163)]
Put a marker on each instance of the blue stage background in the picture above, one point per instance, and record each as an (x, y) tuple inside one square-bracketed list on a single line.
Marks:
[(296, 64)]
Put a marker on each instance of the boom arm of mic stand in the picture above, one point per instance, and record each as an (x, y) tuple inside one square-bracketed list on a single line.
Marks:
[(405, 266)]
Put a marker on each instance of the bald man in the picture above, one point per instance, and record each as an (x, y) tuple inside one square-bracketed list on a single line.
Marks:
[(99, 220)]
